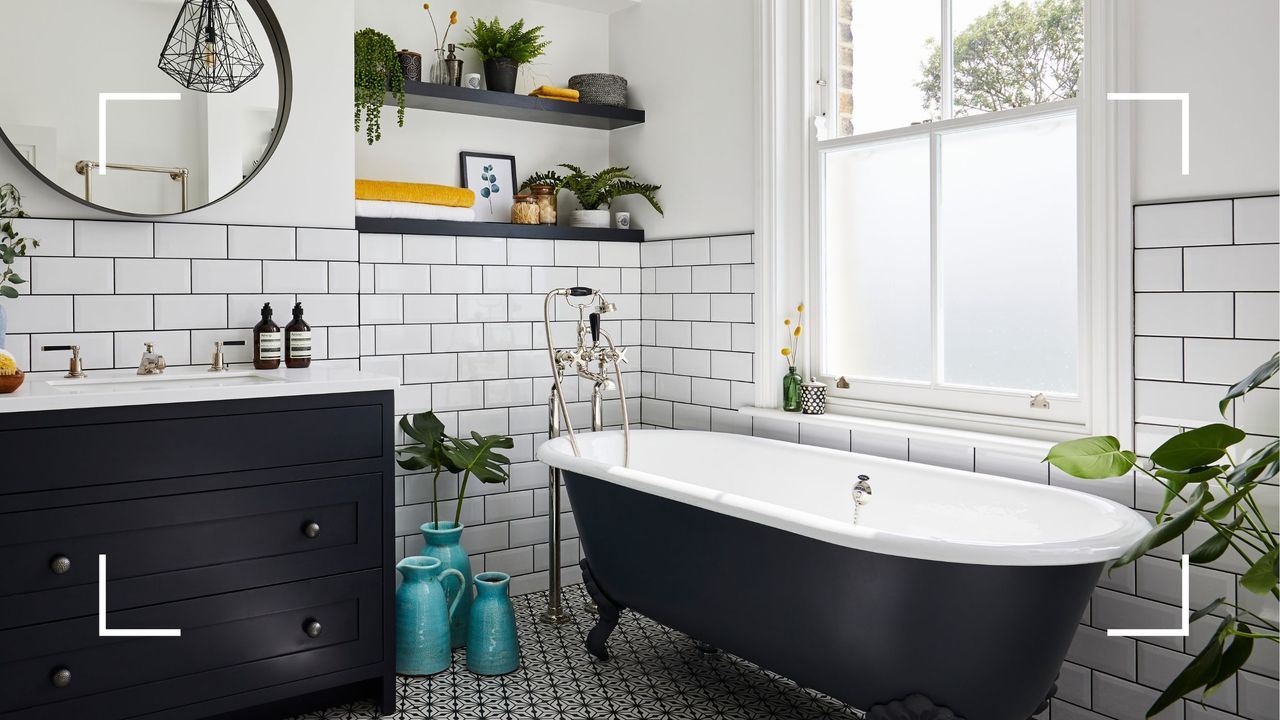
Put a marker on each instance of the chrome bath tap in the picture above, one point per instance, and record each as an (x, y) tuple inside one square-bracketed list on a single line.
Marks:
[(590, 359)]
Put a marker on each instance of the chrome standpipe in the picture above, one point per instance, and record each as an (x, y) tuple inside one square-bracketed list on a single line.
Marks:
[(555, 614), (590, 360)]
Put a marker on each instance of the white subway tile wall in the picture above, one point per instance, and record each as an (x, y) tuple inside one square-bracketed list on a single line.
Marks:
[(459, 321)]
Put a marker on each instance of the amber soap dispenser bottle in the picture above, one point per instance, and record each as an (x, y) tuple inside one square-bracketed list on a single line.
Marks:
[(267, 341), (297, 341)]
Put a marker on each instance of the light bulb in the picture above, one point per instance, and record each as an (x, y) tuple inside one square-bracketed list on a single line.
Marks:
[(210, 47)]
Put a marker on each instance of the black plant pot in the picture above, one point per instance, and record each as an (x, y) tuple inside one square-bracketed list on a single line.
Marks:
[(500, 74)]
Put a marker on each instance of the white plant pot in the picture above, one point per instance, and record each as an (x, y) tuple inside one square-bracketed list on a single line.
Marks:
[(589, 218)]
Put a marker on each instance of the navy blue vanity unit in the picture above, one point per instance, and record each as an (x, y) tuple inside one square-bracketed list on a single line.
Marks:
[(255, 518)]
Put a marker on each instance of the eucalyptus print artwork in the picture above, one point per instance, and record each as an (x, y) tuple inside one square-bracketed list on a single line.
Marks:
[(492, 189), (492, 178)]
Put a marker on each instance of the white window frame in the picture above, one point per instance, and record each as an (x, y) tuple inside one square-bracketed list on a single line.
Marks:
[(792, 95)]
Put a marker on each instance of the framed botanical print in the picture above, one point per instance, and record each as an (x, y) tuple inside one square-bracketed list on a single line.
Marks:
[(493, 178)]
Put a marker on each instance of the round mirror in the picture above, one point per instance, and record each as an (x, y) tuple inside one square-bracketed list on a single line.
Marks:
[(143, 107)]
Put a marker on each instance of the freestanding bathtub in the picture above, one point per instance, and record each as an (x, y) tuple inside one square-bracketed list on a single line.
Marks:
[(954, 589)]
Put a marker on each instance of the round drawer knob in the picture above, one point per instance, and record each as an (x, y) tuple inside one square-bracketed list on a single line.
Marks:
[(60, 677), (60, 564), (311, 529), (311, 627)]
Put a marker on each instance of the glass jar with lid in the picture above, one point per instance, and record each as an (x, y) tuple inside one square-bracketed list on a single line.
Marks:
[(545, 196), (524, 211)]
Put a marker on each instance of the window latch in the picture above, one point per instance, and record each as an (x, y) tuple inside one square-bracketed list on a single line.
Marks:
[(1039, 401)]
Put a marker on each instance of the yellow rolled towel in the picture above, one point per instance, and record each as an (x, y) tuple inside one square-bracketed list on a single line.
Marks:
[(555, 93), (422, 193)]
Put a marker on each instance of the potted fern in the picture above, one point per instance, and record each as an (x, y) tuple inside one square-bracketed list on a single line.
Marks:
[(596, 192), (504, 50)]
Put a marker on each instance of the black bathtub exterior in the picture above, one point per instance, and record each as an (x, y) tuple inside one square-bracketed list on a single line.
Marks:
[(985, 641)]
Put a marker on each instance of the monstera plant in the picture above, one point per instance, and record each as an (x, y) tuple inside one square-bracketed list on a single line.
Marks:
[(437, 452), (1203, 483)]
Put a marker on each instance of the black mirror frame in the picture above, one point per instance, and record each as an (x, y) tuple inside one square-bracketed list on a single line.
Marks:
[(284, 77)]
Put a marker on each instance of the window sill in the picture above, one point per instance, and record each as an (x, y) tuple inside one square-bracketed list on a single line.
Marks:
[(1005, 444)]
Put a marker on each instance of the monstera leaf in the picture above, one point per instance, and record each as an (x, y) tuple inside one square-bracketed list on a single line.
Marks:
[(1091, 458), (478, 457), (429, 452)]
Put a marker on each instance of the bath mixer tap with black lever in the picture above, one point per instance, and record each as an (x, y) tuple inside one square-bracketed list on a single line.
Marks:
[(590, 359)]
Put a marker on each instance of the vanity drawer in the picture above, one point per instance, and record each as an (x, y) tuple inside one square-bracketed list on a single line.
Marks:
[(64, 449), (229, 644), (175, 547)]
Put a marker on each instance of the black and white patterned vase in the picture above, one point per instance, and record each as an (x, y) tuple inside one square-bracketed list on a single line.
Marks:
[(813, 397)]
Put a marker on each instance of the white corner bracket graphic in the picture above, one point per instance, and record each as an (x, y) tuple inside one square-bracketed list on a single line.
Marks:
[(103, 630), (102, 118), (1185, 99), (1183, 631)]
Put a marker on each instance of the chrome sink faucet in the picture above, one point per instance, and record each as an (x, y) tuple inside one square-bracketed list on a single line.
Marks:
[(152, 362)]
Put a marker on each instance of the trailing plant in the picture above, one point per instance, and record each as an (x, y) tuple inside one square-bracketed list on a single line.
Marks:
[(377, 70), (437, 452), (599, 189), (1198, 472), (13, 244), (492, 41)]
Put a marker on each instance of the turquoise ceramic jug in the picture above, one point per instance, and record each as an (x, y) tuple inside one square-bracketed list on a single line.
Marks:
[(492, 646), (443, 542), (423, 612)]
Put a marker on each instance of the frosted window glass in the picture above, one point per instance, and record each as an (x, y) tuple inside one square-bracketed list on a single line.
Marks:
[(876, 311), (881, 52), (1007, 247)]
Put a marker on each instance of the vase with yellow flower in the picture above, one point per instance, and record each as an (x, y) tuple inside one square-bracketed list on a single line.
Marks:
[(792, 382), (441, 67)]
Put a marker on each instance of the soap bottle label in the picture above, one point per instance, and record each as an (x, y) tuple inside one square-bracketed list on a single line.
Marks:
[(300, 344), (269, 344)]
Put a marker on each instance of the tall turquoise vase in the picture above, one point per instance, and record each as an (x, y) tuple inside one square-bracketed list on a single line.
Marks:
[(492, 646), (423, 612), (444, 542)]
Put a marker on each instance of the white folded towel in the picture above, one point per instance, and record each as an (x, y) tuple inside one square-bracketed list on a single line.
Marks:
[(412, 211)]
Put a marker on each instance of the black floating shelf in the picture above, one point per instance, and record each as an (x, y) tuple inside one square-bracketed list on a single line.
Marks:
[(398, 226), (486, 103)]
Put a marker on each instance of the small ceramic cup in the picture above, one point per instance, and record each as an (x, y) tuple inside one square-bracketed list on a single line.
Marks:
[(622, 220), (471, 80)]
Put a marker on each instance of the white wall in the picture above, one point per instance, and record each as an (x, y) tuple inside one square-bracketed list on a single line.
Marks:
[(426, 148), (1227, 55), (308, 181), (691, 67)]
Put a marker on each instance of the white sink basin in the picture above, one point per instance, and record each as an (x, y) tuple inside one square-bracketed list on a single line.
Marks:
[(137, 383)]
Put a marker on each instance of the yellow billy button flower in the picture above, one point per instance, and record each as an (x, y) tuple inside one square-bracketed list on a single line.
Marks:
[(453, 18), (426, 6), (800, 307), (797, 331), (786, 352), (787, 321)]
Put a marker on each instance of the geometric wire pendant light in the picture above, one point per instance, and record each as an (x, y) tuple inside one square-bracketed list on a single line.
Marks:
[(209, 48)]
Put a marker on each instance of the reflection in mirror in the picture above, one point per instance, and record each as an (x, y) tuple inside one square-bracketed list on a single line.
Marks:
[(199, 104)]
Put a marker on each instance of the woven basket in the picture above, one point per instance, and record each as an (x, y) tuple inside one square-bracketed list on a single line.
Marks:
[(600, 89)]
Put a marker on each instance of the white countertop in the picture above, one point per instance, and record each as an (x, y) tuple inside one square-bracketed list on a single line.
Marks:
[(118, 388)]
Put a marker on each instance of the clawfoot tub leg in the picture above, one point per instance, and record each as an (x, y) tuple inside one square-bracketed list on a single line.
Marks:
[(912, 707), (608, 618)]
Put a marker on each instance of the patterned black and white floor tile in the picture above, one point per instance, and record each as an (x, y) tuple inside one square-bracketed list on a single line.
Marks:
[(654, 673)]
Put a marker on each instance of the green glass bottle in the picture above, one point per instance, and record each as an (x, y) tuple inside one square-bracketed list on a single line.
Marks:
[(791, 383)]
